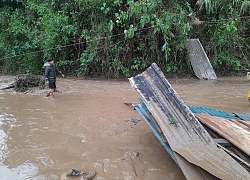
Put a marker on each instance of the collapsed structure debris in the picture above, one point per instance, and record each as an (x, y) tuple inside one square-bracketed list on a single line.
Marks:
[(180, 132), (24, 82)]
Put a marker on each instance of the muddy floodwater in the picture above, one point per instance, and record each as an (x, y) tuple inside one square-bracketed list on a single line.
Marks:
[(88, 127)]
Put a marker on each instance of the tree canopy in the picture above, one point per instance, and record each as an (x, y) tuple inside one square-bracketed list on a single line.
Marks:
[(121, 37)]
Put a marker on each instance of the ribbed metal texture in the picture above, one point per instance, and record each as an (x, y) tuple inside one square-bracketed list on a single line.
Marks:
[(140, 108), (211, 112), (244, 117), (199, 60)]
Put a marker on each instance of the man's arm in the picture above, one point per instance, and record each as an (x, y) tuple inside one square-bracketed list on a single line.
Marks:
[(60, 72)]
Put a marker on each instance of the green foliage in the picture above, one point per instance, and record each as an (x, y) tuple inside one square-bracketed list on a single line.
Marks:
[(171, 67), (115, 38), (139, 64), (227, 61), (228, 44), (130, 32), (86, 60)]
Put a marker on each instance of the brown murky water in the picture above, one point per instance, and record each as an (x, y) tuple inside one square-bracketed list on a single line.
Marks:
[(88, 127)]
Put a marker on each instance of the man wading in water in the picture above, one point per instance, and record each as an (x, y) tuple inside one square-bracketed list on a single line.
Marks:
[(50, 76)]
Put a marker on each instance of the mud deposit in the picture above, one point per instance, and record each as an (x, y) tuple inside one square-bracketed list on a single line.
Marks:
[(88, 127)]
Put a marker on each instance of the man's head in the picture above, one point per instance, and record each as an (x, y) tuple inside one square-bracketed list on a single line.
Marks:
[(50, 60)]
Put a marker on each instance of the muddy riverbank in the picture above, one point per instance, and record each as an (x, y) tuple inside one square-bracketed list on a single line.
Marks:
[(88, 127)]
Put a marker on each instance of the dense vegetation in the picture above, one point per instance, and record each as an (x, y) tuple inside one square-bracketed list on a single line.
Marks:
[(114, 38)]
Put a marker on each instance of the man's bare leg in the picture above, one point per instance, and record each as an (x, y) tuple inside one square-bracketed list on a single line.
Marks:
[(52, 92), (48, 94)]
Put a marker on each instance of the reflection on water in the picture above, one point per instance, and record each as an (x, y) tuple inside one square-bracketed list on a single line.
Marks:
[(3, 145), (21, 172), (5, 120)]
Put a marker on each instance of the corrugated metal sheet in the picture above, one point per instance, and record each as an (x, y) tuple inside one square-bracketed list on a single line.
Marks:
[(185, 135), (191, 171), (245, 117), (212, 112), (199, 60), (145, 116)]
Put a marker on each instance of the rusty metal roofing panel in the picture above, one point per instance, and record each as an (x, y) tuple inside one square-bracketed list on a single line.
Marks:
[(199, 60), (184, 133), (235, 131)]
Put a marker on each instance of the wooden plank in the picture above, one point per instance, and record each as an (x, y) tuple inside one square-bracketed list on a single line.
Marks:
[(193, 172), (184, 133), (223, 142), (235, 156), (243, 124), (7, 86), (236, 132)]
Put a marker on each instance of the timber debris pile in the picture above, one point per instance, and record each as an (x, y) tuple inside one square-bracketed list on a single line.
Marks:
[(24, 83)]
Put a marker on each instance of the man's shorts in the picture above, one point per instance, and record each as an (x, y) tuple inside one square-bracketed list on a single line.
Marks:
[(52, 85)]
